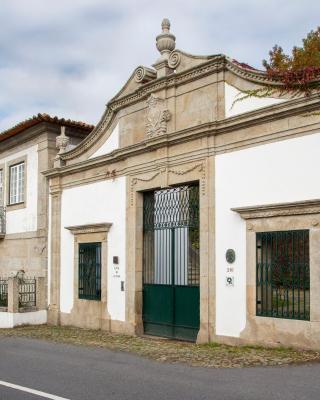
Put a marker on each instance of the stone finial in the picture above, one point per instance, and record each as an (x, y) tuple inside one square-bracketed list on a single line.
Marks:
[(165, 25), (62, 141), (166, 41)]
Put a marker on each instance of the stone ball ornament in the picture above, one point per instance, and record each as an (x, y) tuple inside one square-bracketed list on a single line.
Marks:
[(230, 256)]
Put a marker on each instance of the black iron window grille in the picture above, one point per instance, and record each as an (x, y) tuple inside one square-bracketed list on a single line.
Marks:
[(27, 293), (283, 274), (90, 271)]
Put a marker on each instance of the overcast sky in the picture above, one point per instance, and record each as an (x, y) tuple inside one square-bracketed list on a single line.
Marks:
[(69, 57)]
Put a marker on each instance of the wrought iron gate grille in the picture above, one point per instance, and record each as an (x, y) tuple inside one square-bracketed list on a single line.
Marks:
[(283, 274), (171, 236), (90, 271)]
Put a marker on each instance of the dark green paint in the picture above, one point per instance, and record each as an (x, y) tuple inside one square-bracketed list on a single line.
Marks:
[(89, 271)]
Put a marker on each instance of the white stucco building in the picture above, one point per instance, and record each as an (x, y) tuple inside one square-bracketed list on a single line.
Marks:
[(188, 212)]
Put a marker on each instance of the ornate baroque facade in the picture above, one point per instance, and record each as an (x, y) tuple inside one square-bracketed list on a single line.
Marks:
[(176, 173)]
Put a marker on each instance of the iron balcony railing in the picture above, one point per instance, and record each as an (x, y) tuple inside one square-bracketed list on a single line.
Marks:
[(2, 221), (20, 294), (27, 293), (3, 292)]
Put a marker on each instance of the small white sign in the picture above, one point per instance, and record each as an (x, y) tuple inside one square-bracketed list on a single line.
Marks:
[(116, 272), (229, 281)]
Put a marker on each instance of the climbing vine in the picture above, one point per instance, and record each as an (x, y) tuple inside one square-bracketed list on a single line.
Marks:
[(298, 73)]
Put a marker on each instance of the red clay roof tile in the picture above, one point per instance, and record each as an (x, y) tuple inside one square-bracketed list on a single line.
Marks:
[(37, 119)]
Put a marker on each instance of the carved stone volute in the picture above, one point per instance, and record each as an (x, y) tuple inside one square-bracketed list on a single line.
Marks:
[(144, 74)]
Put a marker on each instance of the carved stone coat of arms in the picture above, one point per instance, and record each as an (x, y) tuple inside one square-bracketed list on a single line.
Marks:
[(157, 116)]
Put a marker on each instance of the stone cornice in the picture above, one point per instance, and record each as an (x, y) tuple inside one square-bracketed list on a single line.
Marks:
[(32, 135), (252, 75), (280, 209), (89, 228), (213, 65), (256, 117)]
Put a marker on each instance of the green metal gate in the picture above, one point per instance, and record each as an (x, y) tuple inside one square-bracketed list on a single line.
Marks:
[(171, 268)]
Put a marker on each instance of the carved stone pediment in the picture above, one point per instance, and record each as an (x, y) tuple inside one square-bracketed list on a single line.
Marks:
[(157, 116)]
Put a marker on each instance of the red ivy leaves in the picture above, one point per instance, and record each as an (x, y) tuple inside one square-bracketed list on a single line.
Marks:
[(302, 78)]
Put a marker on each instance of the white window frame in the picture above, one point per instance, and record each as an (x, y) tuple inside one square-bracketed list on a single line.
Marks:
[(17, 183)]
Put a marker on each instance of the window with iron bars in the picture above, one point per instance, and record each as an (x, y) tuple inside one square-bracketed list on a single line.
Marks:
[(283, 274), (90, 271)]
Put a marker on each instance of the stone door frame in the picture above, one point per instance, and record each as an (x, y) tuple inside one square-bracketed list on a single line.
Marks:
[(91, 314), (195, 171)]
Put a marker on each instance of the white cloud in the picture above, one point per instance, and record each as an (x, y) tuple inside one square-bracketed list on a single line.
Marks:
[(69, 57)]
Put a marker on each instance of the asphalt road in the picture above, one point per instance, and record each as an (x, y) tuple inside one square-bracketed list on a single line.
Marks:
[(81, 373)]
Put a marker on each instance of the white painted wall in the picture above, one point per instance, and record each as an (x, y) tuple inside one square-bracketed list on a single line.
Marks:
[(112, 143), (284, 171), (250, 104), (24, 219), (95, 203), (10, 320)]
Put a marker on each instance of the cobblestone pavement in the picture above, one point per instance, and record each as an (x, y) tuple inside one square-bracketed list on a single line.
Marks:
[(209, 355)]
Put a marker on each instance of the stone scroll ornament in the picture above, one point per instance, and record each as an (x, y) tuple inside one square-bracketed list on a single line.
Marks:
[(157, 116)]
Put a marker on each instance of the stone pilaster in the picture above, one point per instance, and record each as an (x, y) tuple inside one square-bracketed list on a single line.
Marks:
[(13, 294), (54, 306), (41, 293), (134, 261)]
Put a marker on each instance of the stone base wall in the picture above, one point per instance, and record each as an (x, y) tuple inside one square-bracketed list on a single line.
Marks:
[(26, 252), (93, 321), (10, 320), (278, 333)]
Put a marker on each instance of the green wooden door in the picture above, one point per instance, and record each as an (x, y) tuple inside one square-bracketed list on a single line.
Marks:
[(171, 270)]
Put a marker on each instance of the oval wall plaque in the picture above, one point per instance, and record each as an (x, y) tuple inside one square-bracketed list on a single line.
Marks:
[(230, 256)]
